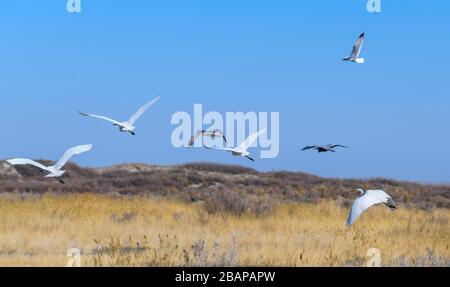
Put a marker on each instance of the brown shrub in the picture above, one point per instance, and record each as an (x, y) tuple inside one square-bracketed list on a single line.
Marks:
[(237, 203)]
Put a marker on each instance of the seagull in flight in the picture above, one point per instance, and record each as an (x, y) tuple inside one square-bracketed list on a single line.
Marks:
[(211, 134), (127, 126), (327, 148), (354, 57), (53, 170), (241, 150), (368, 198)]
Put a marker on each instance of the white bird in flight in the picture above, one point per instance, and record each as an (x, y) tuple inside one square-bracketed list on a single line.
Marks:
[(241, 150), (54, 170), (354, 57), (211, 134), (369, 198), (127, 126)]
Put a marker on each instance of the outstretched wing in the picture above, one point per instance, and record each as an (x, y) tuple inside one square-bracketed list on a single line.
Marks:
[(194, 138), (22, 161), (357, 47), (382, 196), (338, 145), (71, 152), (142, 110), (309, 147), (363, 203), (221, 148), (101, 117), (251, 139), (215, 133)]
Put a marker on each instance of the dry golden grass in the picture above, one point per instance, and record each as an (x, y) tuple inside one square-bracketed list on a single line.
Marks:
[(140, 231)]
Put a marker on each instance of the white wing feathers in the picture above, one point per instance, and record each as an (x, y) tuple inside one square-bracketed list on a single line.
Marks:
[(22, 161), (357, 47), (71, 152), (142, 110), (194, 138), (224, 148), (101, 117), (379, 195), (370, 198), (250, 140), (358, 207)]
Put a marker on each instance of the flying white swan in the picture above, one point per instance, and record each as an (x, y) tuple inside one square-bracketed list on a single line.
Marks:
[(53, 170), (211, 134), (368, 199), (327, 148), (241, 150), (354, 57), (127, 126)]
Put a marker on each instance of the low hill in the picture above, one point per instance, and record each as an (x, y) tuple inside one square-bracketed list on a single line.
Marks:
[(211, 182)]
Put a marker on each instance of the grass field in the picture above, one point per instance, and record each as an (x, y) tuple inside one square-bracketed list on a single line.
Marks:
[(140, 231)]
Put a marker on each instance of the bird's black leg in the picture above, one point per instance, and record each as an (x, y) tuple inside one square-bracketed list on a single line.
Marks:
[(132, 133), (60, 180), (390, 203), (249, 158)]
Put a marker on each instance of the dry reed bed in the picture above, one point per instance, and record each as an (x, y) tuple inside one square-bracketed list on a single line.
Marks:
[(141, 231)]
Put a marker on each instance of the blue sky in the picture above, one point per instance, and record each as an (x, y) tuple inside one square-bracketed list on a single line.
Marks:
[(273, 56)]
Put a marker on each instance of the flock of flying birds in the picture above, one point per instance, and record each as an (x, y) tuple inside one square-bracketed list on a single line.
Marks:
[(368, 198)]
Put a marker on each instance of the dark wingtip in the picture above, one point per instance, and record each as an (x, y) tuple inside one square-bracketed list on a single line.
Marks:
[(390, 203)]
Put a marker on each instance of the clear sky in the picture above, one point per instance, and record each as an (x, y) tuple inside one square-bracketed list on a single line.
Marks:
[(231, 55)]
